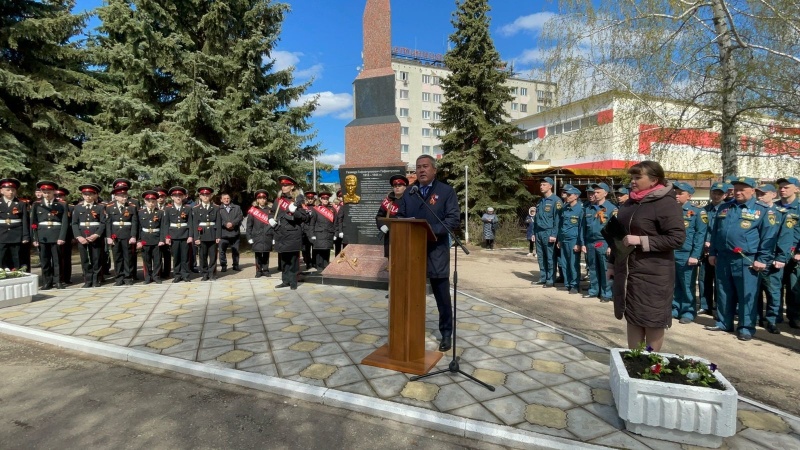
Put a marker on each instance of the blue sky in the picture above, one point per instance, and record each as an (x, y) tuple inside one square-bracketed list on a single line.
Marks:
[(322, 39)]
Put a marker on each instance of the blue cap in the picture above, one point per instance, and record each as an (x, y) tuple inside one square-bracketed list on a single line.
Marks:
[(720, 186), (749, 181), (549, 180), (683, 186), (573, 190), (602, 186), (766, 188), (567, 186), (790, 180), (589, 188), (623, 191)]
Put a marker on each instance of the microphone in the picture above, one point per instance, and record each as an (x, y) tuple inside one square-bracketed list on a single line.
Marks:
[(414, 190)]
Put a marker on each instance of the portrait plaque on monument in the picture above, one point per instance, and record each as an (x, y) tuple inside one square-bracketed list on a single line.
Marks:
[(363, 201)]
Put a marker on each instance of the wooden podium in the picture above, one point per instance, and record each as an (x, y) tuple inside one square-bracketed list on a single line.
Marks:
[(405, 351)]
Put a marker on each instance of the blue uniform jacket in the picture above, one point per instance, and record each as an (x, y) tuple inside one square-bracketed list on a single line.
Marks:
[(443, 202), (547, 215), (751, 226), (695, 220), (788, 234), (570, 223), (595, 218), (711, 211)]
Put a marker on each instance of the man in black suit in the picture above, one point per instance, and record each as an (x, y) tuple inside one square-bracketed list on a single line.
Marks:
[(443, 204), (231, 217)]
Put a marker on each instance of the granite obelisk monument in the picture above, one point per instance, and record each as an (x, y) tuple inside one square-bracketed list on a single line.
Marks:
[(372, 151)]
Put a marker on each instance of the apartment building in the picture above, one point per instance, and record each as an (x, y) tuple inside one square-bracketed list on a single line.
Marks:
[(419, 96)]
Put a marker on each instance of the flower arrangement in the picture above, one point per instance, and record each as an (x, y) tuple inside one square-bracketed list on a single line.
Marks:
[(113, 237), (34, 226), (642, 362), (11, 273)]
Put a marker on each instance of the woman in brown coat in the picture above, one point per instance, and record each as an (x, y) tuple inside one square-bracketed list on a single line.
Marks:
[(644, 280)]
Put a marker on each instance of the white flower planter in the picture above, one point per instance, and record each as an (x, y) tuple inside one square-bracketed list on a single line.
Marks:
[(16, 291), (693, 415)]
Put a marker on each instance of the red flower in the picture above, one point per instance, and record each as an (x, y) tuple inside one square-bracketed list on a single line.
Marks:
[(656, 369), (737, 249), (114, 237), (87, 232), (200, 229), (144, 243), (34, 227), (598, 244), (169, 237)]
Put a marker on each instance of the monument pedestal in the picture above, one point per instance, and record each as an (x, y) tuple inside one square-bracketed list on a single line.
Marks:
[(359, 265)]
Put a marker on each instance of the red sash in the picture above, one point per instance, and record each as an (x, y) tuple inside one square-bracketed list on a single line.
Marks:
[(283, 204), (324, 212), (389, 205), (258, 214)]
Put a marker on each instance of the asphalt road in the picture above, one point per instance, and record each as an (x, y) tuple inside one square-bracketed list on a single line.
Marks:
[(51, 398)]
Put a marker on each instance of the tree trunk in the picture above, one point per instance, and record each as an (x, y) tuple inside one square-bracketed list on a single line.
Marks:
[(729, 138)]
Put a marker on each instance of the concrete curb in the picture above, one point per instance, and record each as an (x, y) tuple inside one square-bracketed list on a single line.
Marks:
[(411, 415)]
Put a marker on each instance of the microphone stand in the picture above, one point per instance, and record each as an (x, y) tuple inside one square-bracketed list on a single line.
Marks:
[(453, 368)]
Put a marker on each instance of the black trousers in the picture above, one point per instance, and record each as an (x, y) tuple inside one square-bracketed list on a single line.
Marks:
[(337, 246), (9, 256), (49, 257), (180, 259), (124, 259), (307, 247), (441, 292), (151, 262), (166, 261), (208, 258), (226, 243), (65, 260), (25, 256), (262, 262), (92, 260), (322, 258), (291, 267)]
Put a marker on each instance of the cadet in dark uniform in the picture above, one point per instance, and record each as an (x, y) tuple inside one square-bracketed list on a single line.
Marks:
[(545, 226), (165, 250), (89, 226), (742, 246), (65, 251), (151, 240), (260, 233), (207, 229), (771, 284), (687, 258), (14, 224), (338, 242), (389, 207), (308, 245), (323, 229), (25, 248), (122, 226), (288, 224), (443, 202), (569, 238), (707, 271), (789, 202), (230, 216), (596, 214), (176, 229), (49, 224)]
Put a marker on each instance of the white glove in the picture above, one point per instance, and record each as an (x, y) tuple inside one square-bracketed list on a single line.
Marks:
[(385, 229), (273, 242), (313, 238), (334, 237), (341, 235), (272, 222), (292, 207), (249, 241)]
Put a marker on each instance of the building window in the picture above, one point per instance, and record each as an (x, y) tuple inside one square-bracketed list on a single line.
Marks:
[(437, 132), (426, 115), (426, 96), (523, 107), (426, 132), (544, 95), (514, 107), (404, 148), (403, 112), (437, 150), (404, 131), (435, 80), (437, 115), (403, 93), (426, 149), (513, 91), (523, 91), (437, 98), (541, 108), (426, 79), (402, 76)]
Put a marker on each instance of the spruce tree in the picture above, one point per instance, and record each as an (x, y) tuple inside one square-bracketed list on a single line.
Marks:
[(197, 100), (478, 134), (45, 91)]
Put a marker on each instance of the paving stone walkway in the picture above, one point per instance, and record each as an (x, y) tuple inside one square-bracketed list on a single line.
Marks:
[(546, 380)]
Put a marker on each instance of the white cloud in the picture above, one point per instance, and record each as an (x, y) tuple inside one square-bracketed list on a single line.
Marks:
[(314, 71), (533, 22), (284, 59), (532, 56), (334, 159), (339, 105)]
